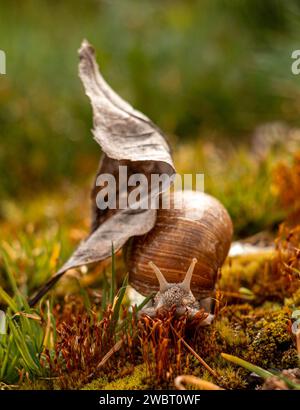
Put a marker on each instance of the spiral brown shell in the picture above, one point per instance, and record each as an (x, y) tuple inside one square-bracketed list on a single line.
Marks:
[(201, 229)]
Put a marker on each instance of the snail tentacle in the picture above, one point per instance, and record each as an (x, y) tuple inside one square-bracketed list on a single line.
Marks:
[(163, 284), (186, 283)]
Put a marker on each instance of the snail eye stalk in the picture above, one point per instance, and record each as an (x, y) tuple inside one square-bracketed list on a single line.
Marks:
[(163, 284), (186, 283)]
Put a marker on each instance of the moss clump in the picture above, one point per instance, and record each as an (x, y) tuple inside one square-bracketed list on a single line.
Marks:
[(293, 302), (134, 381), (260, 335), (231, 334), (232, 378), (269, 276), (37, 385), (243, 271), (228, 333), (272, 344), (97, 384)]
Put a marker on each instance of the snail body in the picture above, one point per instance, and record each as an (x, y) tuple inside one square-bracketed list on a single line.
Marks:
[(183, 252)]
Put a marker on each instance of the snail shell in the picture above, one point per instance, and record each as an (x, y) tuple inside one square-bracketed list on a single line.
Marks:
[(201, 229)]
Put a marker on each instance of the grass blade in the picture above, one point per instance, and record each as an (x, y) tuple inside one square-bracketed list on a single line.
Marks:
[(113, 275), (247, 365), (8, 300), (118, 302)]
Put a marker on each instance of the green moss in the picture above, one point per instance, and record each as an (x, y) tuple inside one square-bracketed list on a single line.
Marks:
[(134, 381), (294, 301), (242, 270), (245, 271), (97, 384), (231, 335), (271, 339), (232, 378), (260, 335), (262, 275), (38, 384)]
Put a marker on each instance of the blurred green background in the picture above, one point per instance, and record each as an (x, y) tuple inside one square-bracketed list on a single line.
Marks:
[(200, 69)]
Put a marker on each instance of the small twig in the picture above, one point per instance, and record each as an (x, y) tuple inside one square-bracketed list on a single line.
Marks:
[(106, 357), (188, 379), (238, 295), (4, 386), (211, 371), (113, 350)]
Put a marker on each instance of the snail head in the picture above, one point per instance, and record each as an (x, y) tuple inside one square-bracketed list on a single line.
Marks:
[(174, 294)]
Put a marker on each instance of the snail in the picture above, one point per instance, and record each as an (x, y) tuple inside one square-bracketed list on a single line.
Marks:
[(181, 256)]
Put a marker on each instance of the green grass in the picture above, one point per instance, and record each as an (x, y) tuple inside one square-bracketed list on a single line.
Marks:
[(22, 344), (26, 332)]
